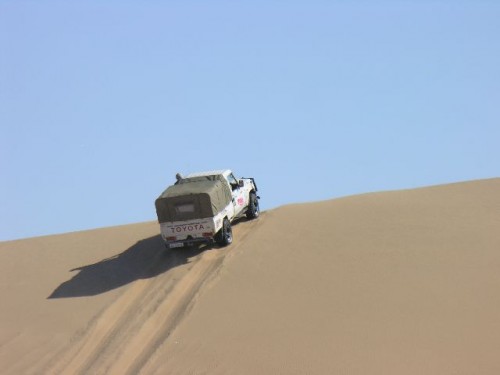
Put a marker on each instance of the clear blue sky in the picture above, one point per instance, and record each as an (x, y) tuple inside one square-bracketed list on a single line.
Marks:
[(102, 102)]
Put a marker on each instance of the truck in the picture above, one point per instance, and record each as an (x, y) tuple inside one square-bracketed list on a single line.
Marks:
[(200, 208)]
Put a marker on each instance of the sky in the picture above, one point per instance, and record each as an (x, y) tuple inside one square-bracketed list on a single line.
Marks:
[(102, 102)]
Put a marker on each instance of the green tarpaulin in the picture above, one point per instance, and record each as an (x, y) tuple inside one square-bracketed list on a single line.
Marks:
[(193, 198)]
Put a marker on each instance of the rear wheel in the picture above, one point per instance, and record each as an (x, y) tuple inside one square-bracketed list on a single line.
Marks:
[(225, 235), (253, 207)]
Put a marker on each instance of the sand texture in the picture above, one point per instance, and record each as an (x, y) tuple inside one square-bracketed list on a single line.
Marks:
[(401, 282)]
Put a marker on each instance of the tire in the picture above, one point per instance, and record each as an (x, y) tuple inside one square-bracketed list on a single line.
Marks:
[(253, 211), (225, 235)]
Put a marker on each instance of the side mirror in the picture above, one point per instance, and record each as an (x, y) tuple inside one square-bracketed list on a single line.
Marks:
[(241, 183)]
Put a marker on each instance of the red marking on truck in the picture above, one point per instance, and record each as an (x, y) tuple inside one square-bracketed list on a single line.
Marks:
[(241, 201), (187, 228)]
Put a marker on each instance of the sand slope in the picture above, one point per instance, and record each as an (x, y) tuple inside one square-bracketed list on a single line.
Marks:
[(384, 283)]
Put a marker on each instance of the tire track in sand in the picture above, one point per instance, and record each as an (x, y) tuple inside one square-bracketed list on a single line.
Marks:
[(125, 335)]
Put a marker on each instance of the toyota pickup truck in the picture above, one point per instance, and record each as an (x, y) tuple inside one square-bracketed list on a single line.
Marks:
[(200, 207)]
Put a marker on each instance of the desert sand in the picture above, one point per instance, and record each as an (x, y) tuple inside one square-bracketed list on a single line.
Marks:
[(400, 282)]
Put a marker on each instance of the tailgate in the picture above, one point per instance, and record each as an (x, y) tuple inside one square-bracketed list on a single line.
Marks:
[(179, 231)]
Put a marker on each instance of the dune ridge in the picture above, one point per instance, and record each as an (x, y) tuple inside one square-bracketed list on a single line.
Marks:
[(381, 283)]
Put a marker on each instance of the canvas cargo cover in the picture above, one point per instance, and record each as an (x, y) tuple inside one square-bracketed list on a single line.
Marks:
[(193, 198)]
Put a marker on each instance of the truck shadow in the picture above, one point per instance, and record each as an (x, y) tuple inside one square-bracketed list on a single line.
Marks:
[(146, 259)]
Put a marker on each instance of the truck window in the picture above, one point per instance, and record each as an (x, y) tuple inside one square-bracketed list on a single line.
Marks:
[(232, 181), (186, 208)]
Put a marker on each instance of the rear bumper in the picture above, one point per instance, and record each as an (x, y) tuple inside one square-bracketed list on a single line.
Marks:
[(188, 242)]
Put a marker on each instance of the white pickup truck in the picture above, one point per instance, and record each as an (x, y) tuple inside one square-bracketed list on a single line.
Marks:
[(200, 207)]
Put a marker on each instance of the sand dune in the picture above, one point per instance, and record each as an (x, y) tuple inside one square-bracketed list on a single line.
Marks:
[(403, 282)]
